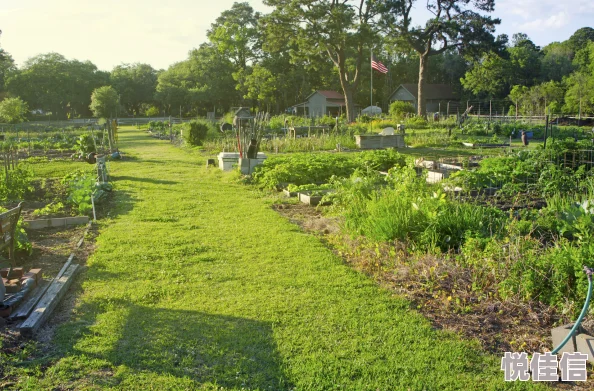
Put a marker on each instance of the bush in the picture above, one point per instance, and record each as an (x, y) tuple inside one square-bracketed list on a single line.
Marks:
[(326, 121), (401, 108), (195, 132), (364, 119)]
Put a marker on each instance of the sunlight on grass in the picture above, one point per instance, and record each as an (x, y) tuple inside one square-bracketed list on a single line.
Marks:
[(197, 283)]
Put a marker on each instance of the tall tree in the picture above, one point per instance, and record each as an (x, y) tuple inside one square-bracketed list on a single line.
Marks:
[(235, 34), (455, 25), (52, 83), (490, 76), (136, 84), (104, 102), (556, 62), (342, 30), (580, 39)]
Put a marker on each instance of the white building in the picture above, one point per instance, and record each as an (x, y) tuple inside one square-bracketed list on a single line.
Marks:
[(320, 103)]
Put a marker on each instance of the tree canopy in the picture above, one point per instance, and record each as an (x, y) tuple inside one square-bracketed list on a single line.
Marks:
[(274, 61)]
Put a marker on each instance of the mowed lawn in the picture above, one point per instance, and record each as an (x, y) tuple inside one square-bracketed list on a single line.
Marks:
[(196, 283)]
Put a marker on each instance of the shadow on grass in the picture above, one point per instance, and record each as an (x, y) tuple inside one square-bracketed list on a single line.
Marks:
[(231, 352), (118, 203), (140, 179)]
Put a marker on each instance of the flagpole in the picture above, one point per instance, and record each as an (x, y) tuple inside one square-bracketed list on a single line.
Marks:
[(370, 60)]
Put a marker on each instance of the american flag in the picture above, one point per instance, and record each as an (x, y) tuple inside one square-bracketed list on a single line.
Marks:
[(378, 66)]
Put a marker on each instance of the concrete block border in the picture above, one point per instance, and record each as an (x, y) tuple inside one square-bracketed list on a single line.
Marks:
[(56, 222)]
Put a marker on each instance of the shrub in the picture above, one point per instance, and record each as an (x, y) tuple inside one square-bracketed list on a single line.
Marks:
[(326, 121), (195, 132), (364, 119), (401, 108)]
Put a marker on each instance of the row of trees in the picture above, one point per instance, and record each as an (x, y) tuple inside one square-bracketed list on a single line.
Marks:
[(50, 83), (276, 60), (556, 78)]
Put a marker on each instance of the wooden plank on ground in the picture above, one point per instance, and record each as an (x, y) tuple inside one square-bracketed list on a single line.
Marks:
[(66, 266), (23, 310), (48, 302)]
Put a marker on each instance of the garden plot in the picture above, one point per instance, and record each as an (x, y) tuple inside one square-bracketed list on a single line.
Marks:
[(463, 259)]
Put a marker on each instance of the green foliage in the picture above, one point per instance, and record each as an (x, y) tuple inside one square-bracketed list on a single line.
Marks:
[(152, 111), (404, 208), (301, 169), (364, 119), (136, 84), (416, 123), (56, 85), (326, 121), (22, 242), (15, 184), (49, 209), (401, 108), (84, 145), (81, 186), (195, 132), (104, 102), (13, 110)]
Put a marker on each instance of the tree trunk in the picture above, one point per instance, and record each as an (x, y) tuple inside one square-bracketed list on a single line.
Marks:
[(349, 104), (421, 87)]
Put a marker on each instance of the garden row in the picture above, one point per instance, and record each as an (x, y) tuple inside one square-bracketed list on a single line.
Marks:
[(533, 254)]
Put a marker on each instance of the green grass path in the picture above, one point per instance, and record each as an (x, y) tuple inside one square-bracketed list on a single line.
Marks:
[(197, 283)]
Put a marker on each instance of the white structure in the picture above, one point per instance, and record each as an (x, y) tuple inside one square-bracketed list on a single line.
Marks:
[(321, 103), (229, 160)]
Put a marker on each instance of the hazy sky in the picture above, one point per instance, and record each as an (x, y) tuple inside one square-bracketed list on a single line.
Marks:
[(111, 32)]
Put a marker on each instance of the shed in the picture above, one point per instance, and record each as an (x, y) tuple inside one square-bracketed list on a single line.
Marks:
[(434, 95), (320, 103)]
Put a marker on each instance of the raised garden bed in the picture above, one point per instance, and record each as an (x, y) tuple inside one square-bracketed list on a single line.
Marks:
[(376, 141), (313, 198)]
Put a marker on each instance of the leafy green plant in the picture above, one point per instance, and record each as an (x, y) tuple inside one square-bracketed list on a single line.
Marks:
[(15, 183), (49, 209), (401, 108), (195, 132), (301, 169), (84, 145), (22, 242), (81, 187)]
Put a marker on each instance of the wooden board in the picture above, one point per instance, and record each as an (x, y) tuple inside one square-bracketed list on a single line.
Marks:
[(66, 265), (48, 302), (23, 310)]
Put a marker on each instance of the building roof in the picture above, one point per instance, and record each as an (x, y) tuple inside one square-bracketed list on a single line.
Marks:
[(432, 91), (332, 95)]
